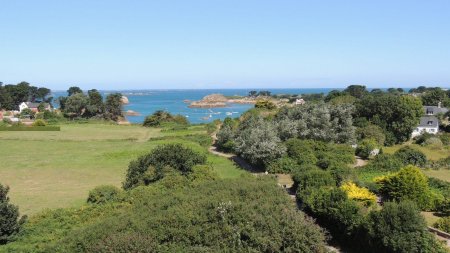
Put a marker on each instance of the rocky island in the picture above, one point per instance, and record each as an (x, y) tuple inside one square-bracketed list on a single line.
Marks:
[(219, 100)]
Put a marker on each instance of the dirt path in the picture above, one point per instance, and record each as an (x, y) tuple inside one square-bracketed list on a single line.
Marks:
[(359, 162)]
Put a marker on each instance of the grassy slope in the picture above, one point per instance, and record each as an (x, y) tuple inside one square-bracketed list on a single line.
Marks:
[(432, 154), (57, 169)]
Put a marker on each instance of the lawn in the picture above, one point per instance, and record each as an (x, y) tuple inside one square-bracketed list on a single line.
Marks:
[(57, 169), (432, 154), (441, 174)]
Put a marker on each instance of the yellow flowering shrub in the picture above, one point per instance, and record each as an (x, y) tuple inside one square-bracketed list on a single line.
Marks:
[(359, 194)]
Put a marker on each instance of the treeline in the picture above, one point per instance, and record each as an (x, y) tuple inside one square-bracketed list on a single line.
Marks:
[(12, 95), (79, 105)]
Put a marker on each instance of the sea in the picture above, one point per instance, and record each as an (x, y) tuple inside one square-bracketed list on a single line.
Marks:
[(146, 102)]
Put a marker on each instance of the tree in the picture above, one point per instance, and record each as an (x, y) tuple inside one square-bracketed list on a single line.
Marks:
[(95, 105), (365, 148), (265, 104), (152, 166), (371, 132), (412, 156), (407, 184), (257, 141), (73, 90), (76, 104), (113, 106), (434, 96), (399, 227), (357, 91), (10, 222), (42, 93)]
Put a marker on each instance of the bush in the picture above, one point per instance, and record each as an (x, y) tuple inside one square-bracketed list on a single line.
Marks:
[(411, 156), (10, 222), (422, 138), (443, 224), (151, 167), (160, 117), (445, 138), (265, 104), (399, 227), (103, 194), (373, 132), (359, 194), (39, 123), (312, 179), (365, 148), (385, 162), (434, 143), (407, 184), (282, 165)]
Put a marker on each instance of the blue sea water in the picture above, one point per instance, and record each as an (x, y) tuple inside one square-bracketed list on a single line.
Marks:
[(146, 102)]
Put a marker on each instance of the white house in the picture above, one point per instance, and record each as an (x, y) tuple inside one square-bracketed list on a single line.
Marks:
[(33, 106), (299, 101), (428, 124)]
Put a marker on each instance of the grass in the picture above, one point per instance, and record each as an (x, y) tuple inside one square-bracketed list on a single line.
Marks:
[(57, 169), (431, 153), (441, 174)]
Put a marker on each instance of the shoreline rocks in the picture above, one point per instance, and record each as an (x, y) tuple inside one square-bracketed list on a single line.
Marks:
[(219, 100), (124, 100)]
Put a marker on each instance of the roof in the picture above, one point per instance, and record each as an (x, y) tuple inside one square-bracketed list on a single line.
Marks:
[(429, 121), (35, 105), (435, 109)]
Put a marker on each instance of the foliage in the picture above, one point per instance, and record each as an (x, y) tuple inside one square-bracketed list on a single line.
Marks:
[(357, 91), (399, 227), (13, 95), (359, 194), (76, 104), (103, 194), (434, 96), (265, 104), (412, 156), (27, 112), (95, 105), (152, 166), (232, 218), (385, 163), (365, 148), (318, 121), (409, 183), (443, 224), (113, 106), (371, 132), (283, 165), (257, 141), (160, 117), (396, 115), (312, 179), (73, 90), (10, 222), (39, 122)]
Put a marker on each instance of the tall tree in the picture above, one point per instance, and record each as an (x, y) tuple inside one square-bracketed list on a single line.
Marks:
[(75, 105), (73, 90), (10, 223), (358, 91), (113, 106), (435, 96), (95, 106)]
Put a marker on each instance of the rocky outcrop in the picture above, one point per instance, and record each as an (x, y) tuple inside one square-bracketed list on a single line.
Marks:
[(132, 113), (219, 100), (124, 100)]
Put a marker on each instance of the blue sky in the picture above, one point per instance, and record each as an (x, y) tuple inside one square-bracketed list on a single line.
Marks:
[(163, 44)]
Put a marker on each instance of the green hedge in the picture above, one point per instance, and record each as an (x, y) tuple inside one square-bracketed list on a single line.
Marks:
[(31, 128)]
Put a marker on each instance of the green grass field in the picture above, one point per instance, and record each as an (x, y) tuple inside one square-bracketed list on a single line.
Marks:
[(432, 154), (57, 169)]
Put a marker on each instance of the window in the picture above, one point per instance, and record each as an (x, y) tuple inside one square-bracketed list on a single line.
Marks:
[(430, 122), (430, 111)]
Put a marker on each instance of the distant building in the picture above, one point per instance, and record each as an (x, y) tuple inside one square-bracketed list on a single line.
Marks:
[(299, 101), (33, 106), (434, 110)]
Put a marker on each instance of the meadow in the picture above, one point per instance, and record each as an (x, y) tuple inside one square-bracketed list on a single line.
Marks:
[(57, 169)]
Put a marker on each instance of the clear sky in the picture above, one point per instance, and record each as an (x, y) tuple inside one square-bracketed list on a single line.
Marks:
[(158, 44)]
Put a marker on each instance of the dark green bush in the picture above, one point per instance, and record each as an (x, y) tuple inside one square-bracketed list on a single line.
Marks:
[(283, 165), (411, 156), (151, 167), (10, 221), (385, 162), (103, 194)]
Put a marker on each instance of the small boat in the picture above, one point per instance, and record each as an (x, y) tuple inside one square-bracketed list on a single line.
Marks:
[(229, 113)]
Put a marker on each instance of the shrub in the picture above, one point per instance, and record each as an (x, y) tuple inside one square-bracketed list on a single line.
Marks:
[(312, 179), (385, 162), (103, 194), (282, 165), (445, 138), (10, 222), (365, 148), (39, 122), (434, 143), (151, 167), (422, 138), (399, 227), (373, 132), (359, 194), (27, 112), (160, 117), (411, 156), (407, 184), (265, 104), (443, 224)]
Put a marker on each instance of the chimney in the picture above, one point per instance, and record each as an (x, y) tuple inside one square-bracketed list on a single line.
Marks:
[(439, 104)]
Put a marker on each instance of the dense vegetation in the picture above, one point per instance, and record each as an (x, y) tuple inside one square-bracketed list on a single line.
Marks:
[(10, 222), (173, 214), (159, 118), (12, 95)]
